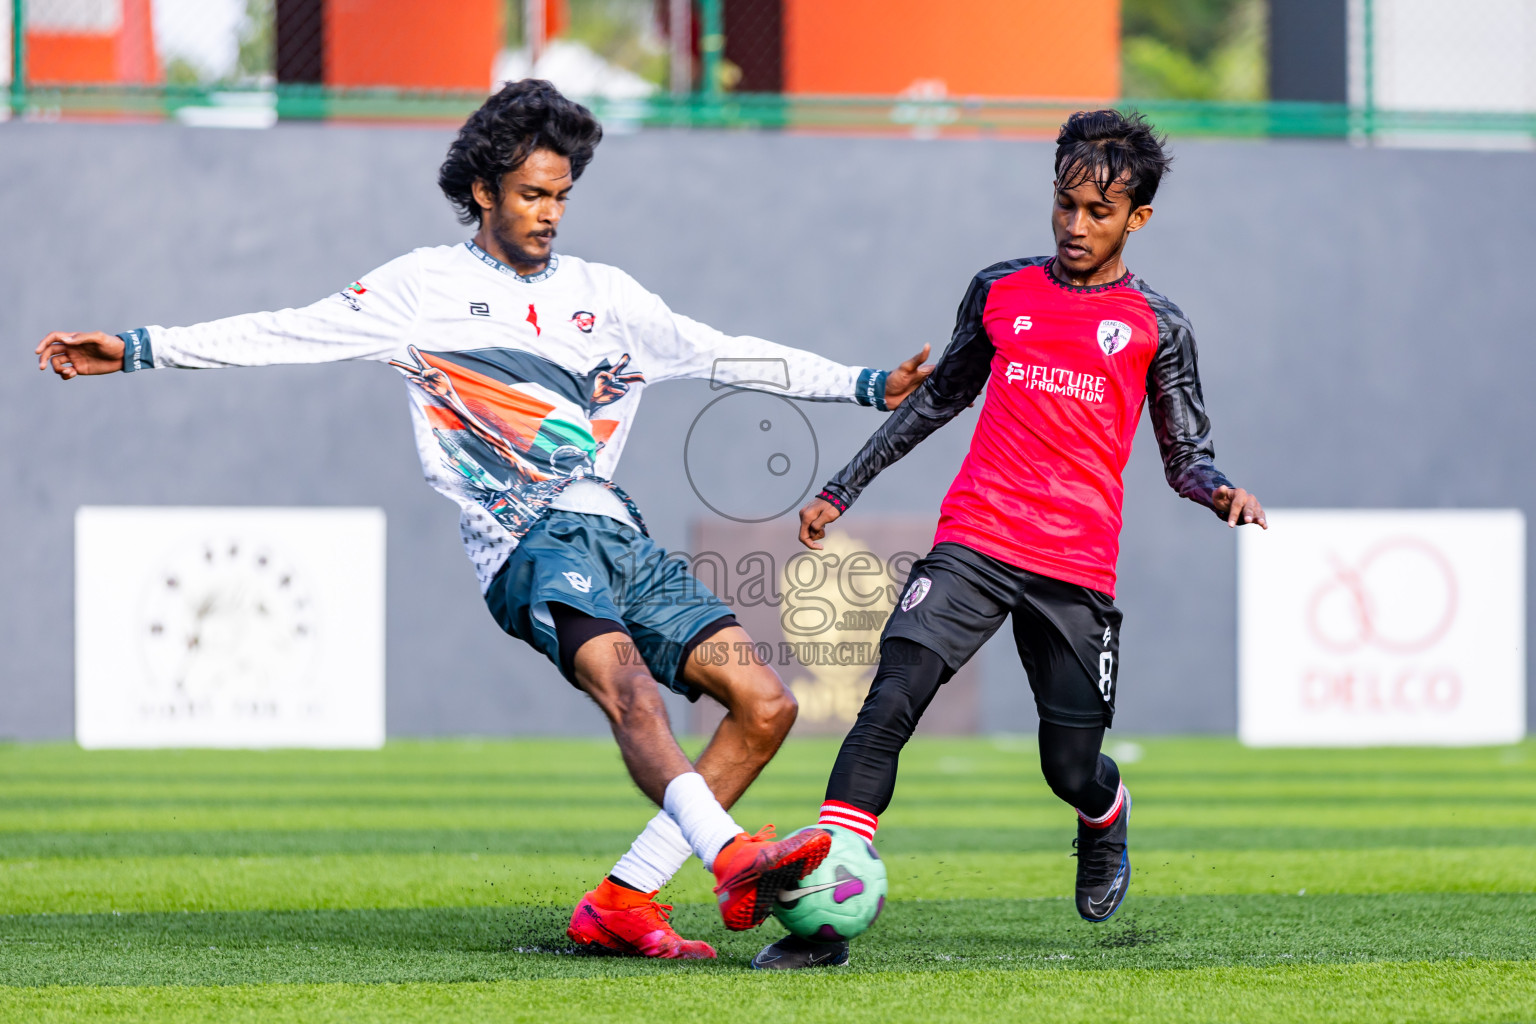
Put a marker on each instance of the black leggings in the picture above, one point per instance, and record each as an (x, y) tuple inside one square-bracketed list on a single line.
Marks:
[(909, 676), (574, 628)]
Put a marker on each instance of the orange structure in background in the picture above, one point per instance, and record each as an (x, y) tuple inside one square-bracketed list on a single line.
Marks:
[(412, 44), (94, 41), (1043, 49)]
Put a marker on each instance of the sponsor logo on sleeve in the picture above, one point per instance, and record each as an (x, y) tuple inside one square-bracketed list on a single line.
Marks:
[(351, 293), (584, 321), (1113, 336), (578, 582)]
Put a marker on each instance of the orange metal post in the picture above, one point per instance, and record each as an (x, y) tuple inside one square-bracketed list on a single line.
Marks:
[(121, 50), (998, 48), (415, 44)]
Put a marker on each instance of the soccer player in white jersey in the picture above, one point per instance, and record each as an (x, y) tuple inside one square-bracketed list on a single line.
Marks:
[(524, 370)]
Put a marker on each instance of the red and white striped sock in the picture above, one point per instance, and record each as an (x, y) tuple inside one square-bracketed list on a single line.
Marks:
[(1108, 817), (835, 812)]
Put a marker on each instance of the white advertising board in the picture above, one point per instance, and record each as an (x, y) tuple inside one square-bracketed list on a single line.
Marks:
[(229, 627), (1376, 628)]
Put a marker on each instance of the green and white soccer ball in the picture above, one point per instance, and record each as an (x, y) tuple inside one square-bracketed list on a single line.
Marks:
[(840, 899)]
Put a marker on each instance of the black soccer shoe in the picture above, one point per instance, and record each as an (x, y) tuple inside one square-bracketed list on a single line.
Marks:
[(792, 953), (1103, 867)]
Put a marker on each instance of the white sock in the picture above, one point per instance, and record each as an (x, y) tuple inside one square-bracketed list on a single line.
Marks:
[(704, 823), (657, 855)]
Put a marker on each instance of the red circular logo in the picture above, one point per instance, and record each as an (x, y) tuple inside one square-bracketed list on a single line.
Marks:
[(1400, 597)]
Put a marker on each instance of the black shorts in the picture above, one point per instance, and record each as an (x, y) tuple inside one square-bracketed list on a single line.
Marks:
[(1068, 635)]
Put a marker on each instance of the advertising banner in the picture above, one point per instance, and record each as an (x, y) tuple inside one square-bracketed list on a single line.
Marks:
[(1370, 628), (229, 627)]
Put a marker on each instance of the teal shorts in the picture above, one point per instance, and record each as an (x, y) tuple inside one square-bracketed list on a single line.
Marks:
[(608, 570)]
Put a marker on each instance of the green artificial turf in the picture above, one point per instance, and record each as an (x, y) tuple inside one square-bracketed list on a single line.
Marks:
[(432, 881)]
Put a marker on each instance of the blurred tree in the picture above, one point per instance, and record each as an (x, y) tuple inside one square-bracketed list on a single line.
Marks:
[(180, 71), (512, 23), (1195, 49), (623, 33), (257, 40)]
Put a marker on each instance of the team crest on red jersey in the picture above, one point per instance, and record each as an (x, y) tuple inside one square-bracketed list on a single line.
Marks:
[(584, 321), (1113, 336)]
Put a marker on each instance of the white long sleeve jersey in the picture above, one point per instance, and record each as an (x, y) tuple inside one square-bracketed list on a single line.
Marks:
[(519, 386)]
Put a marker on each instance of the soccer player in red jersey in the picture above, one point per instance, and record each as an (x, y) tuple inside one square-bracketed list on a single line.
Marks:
[(1068, 348)]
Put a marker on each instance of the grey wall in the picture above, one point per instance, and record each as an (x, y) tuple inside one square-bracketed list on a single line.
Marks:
[(1360, 313)]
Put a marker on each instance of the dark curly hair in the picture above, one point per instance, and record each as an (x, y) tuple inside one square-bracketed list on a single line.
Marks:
[(504, 132), (1105, 147)]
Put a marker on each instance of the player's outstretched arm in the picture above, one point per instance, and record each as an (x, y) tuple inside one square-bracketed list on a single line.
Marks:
[(368, 320), (73, 354), (675, 347), (1181, 426), (938, 396)]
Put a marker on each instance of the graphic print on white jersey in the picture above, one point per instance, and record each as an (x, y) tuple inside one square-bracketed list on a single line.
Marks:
[(516, 426), (509, 408)]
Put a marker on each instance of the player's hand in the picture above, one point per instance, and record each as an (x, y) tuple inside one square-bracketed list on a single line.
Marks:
[(1238, 506), (86, 354), (906, 377), (814, 519)]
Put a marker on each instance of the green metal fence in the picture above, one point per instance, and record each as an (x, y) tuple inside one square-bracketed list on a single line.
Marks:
[(18, 90), (710, 104)]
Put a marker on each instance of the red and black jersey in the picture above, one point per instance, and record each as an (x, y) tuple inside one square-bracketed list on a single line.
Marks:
[(1066, 370)]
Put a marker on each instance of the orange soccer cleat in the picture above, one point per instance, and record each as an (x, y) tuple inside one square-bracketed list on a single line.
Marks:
[(630, 923), (752, 869)]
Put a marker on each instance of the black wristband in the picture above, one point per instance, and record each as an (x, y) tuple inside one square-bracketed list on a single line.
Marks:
[(833, 500)]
